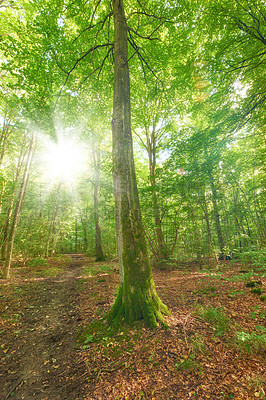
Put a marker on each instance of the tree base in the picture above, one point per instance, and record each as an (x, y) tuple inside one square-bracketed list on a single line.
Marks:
[(99, 258), (135, 304)]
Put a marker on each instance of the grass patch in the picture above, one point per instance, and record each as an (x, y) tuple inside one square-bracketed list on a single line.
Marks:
[(235, 293), (38, 262), (49, 272), (209, 291), (196, 344), (216, 317), (92, 270), (188, 364)]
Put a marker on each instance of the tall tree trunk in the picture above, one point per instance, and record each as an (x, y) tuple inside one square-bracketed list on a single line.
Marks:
[(52, 226), (217, 219), (197, 236), (162, 251), (99, 249), (22, 192), (203, 206), (76, 235), (85, 233), (137, 298), (8, 221)]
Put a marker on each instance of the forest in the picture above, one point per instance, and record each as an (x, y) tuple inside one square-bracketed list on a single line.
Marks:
[(132, 199)]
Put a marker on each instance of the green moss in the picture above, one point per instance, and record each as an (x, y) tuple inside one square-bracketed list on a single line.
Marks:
[(137, 304)]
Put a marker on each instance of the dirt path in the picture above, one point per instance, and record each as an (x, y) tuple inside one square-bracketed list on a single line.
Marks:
[(39, 360)]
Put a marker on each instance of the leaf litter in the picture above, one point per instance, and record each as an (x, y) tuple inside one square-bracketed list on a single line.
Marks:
[(54, 344)]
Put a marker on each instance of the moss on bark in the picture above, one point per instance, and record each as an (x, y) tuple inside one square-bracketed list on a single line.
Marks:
[(140, 305)]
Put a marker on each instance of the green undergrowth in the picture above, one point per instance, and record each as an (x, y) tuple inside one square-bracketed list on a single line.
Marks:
[(216, 317), (188, 364), (38, 262), (209, 291), (49, 271), (92, 270), (116, 341), (233, 293), (255, 258), (241, 277), (41, 267), (252, 342)]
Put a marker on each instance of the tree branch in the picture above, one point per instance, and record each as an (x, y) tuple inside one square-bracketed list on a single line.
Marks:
[(93, 26), (92, 49), (142, 59), (143, 37)]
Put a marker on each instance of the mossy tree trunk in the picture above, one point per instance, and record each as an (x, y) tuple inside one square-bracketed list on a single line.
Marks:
[(137, 298)]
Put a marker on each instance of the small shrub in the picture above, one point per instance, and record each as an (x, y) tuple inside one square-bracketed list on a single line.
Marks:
[(250, 284), (257, 290), (106, 268), (263, 297), (89, 270)]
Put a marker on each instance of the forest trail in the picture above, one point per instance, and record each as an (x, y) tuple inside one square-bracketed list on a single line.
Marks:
[(40, 358)]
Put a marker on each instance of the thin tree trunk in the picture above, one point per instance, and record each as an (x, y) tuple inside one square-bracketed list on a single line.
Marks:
[(22, 192), (217, 219), (99, 249), (137, 298), (162, 251), (76, 235), (203, 205), (7, 226), (52, 226), (197, 237), (85, 233)]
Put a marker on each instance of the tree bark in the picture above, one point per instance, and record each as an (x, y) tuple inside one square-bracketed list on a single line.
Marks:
[(137, 298)]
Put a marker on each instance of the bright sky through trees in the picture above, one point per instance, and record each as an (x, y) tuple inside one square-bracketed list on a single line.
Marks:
[(63, 160)]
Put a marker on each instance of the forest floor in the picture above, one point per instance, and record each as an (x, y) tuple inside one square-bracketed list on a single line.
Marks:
[(54, 345)]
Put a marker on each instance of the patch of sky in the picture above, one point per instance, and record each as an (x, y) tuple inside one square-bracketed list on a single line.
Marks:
[(60, 21)]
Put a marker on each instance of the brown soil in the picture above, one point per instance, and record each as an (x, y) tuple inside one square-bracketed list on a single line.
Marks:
[(195, 358), (38, 345)]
